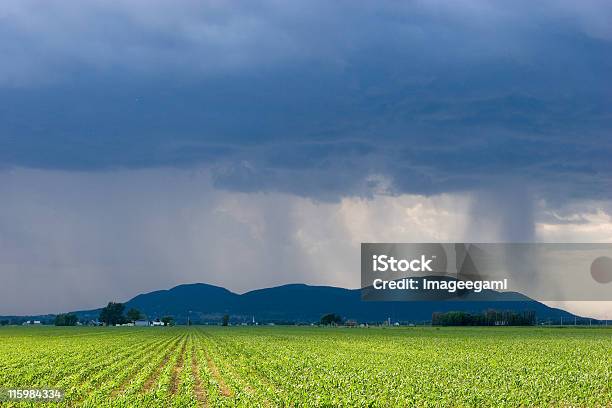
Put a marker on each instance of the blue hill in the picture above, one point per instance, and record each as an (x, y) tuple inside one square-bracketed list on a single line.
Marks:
[(299, 303)]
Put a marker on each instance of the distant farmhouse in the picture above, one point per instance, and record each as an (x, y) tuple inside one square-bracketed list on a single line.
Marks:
[(143, 323)]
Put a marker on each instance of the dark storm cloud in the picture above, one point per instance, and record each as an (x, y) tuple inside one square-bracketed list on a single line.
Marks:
[(313, 98), (130, 132)]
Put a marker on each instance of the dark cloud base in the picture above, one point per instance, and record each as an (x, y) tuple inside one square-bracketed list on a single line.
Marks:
[(432, 97)]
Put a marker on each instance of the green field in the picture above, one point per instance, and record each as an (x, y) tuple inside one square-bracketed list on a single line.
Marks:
[(310, 366)]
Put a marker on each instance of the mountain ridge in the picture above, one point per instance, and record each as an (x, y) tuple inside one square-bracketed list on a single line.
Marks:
[(303, 303)]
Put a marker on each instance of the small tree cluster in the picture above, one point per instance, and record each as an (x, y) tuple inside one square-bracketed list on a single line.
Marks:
[(488, 318), (134, 314), (331, 319), (113, 314), (66, 319)]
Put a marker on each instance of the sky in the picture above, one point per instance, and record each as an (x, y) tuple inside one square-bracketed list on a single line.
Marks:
[(145, 144)]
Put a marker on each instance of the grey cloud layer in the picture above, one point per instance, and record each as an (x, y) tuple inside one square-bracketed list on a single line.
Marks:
[(314, 98), (71, 240), (208, 36), (75, 240)]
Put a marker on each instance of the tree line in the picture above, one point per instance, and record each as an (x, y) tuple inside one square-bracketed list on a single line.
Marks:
[(112, 314), (487, 318)]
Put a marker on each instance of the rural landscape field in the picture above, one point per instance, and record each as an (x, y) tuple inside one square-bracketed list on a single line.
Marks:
[(311, 366)]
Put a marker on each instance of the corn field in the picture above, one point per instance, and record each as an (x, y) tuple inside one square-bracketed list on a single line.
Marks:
[(309, 366)]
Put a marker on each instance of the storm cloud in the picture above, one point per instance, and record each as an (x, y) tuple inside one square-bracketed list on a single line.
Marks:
[(435, 96), (142, 143)]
